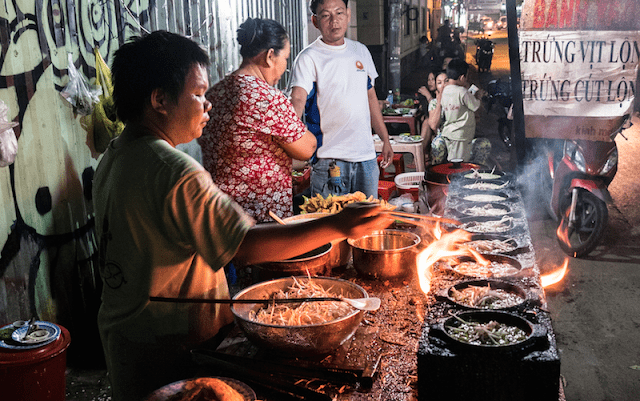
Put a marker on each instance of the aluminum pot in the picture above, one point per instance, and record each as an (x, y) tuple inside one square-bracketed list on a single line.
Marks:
[(299, 340), (314, 262), (385, 254)]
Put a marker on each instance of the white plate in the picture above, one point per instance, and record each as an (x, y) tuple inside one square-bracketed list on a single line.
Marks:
[(45, 332), (408, 139)]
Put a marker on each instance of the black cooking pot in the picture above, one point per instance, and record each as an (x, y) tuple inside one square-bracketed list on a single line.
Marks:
[(493, 284), (437, 180), (533, 333)]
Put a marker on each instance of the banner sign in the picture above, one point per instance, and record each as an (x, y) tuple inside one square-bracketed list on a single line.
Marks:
[(579, 73)]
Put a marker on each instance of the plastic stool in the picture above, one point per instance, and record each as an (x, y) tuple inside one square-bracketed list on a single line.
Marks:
[(398, 164), (386, 189)]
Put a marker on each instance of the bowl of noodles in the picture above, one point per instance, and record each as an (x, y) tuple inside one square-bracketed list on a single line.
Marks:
[(307, 328)]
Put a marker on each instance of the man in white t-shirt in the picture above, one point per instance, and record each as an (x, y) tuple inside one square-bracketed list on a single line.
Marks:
[(332, 83)]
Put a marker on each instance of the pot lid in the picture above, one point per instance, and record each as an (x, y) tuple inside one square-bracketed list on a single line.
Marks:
[(18, 357), (452, 167)]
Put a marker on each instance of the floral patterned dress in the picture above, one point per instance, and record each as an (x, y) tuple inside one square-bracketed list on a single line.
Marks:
[(241, 144)]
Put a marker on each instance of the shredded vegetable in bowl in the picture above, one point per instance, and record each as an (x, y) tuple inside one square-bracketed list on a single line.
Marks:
[(489, 333), (305, 313), (494, 269), (492, 226), (475, 174), (486, 186), (485, 297), (492, 245), (486, 210)]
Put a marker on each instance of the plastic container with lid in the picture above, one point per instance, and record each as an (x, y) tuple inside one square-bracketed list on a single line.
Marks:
[(37, 373)]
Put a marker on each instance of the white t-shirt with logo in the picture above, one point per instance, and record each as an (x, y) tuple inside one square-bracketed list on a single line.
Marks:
[(340, 77)]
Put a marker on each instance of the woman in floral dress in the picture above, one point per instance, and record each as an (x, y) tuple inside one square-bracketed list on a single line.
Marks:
[(254, 132)]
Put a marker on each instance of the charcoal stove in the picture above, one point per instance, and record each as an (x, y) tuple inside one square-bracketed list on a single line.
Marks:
[(527, 371)]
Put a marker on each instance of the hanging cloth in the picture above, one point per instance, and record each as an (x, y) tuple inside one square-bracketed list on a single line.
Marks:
[(106, 124)]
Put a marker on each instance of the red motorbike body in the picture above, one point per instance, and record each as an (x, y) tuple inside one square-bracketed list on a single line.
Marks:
[(566, 175)]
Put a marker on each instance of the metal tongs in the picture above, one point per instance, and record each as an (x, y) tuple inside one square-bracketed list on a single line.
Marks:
[(32, 327)]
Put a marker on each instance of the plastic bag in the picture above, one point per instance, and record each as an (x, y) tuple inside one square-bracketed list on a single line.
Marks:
[(106, 124), (8, 140), (78, 92)]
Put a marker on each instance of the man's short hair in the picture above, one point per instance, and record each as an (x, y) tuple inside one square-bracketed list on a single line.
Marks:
[(158, 60), (313, 5), (456, 68)]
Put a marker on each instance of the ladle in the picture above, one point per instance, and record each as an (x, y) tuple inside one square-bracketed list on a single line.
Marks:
[(367, 304)]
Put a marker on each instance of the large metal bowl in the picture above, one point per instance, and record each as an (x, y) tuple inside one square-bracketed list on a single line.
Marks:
[(314, 262), (385, 254), (341, 251), (298, 340)]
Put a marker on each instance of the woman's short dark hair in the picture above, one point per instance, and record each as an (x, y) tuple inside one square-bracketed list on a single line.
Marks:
[(158, 60), (456, 68), (256, 35), (313, 5)]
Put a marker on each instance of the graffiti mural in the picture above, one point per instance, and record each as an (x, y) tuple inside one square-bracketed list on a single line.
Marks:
[(47, 239)]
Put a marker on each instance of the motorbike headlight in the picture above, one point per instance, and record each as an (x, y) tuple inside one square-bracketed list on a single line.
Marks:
[(612, 161), (573, 152)]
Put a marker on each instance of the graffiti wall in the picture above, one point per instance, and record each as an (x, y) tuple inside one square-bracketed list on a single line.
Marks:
[(47, 239)]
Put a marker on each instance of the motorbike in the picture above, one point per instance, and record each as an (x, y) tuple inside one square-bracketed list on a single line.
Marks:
[(484, 54), (577, 178), (499, 94)]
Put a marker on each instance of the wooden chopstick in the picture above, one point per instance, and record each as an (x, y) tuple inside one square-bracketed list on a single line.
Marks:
[(399, 215), (240, 301), (276, 218)]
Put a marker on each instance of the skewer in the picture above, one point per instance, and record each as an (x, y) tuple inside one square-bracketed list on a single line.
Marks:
[(399, 215)]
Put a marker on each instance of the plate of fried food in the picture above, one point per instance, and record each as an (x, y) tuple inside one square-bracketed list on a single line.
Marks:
[(335, 203), (204, 388)]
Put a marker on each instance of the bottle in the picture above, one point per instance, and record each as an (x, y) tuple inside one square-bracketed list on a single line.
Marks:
[(390, 97), (396, 97)]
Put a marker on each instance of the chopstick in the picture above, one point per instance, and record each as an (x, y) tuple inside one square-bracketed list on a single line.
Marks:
[(399, 216), (241, 301), (276, 218)]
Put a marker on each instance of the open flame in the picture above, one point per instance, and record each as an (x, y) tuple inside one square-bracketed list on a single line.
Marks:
[(452, 244), (446, 245), (563, 229), (555, 276)]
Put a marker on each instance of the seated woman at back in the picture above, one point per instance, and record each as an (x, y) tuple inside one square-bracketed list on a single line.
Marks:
[(254, 132), (426, 94)]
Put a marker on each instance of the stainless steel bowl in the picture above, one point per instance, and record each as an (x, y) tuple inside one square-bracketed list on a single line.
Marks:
[(299, 340), (340, 253), (385, 254), (314, 262)]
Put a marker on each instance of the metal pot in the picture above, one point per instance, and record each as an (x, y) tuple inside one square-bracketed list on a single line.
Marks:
[(299, 340), (385, 254), (341, 251), (314, 262)]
